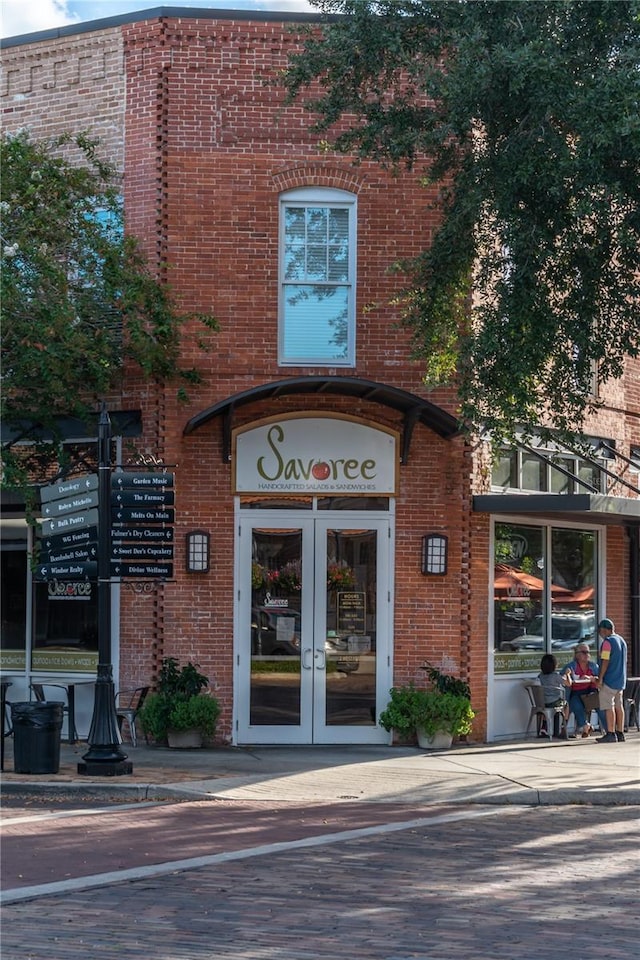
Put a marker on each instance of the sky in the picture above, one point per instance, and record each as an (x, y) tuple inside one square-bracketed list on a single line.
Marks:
[(29, 16)]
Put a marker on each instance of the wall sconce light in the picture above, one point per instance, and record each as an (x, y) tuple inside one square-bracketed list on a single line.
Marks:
[(197, 552), (434, 553)]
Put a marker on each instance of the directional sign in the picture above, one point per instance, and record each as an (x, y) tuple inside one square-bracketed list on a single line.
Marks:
[(125, 514), (66, 571), (137, 481), (75, 538), (90, 552), (83, 501), (74, 521), (67, 488), (147, 551), (141, 570), (123, 534), (141, 498)]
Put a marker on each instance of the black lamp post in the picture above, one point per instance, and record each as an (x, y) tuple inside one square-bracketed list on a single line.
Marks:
[(105, 756)]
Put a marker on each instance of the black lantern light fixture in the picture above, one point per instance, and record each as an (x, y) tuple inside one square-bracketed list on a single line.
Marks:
[(434, 553), (197, 551)]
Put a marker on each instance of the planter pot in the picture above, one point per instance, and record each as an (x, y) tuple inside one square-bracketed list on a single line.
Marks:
[(439, 741), (184, 739)]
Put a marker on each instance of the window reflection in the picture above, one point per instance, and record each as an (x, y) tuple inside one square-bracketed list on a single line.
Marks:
[(542, 603)]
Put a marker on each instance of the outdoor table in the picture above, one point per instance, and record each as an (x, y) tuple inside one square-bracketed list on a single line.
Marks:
[(69, 686)]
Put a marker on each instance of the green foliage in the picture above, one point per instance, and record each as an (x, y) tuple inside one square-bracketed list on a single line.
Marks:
[(445, 683), (446, 712), (522, 119), (199, 713), (445, 708), (178, 703), (79, 301), (401, 711), (180, 682)]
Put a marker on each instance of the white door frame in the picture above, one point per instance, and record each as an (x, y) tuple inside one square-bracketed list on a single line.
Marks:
[(314, 525)]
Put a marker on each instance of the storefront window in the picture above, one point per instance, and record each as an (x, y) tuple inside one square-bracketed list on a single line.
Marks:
[(13, 594), (544, 594), (66, 626)]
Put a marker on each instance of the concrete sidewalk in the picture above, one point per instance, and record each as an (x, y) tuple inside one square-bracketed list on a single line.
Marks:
[(534, 772)]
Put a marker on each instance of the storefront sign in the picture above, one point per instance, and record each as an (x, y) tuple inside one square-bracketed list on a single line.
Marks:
[(317, 455), (72, 661), (69, 590), (12, 659), (517, 662)]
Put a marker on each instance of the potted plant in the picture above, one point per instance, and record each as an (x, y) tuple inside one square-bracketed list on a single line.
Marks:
[(178, 712), (434, 716), (440, 717)]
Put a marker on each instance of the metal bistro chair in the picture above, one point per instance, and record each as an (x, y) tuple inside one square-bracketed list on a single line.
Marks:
[(631, 702), (128, 703), (539, 709)]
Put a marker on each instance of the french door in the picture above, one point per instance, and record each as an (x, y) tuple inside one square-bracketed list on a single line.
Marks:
[(313, 627)]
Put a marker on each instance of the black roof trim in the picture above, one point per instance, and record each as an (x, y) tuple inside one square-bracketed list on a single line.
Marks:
[(124, 423), (415, 409), (157, 13), (594, 508)]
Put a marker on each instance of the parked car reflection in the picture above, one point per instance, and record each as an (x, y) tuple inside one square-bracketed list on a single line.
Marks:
[(567, 629), (275, 633)]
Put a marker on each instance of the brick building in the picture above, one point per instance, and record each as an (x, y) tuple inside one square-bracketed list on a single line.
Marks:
[(345, 532)]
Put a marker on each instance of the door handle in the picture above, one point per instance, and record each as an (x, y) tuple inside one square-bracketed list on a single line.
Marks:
[(323, 664), (305, 665)]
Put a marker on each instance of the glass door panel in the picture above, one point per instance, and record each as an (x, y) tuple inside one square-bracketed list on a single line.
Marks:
[(350, 646), (276, 627)]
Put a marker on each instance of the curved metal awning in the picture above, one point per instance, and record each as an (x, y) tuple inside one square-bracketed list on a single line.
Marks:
[(413, 408)]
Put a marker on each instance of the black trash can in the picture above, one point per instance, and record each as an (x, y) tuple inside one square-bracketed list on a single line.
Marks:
[(36, 736)]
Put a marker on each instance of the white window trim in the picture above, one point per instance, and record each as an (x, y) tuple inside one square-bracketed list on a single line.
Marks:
[(322, 196)]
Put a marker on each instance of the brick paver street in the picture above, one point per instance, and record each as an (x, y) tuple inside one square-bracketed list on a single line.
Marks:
[(518, 884)]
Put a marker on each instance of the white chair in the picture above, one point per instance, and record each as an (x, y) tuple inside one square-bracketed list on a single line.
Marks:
[(539, 708)]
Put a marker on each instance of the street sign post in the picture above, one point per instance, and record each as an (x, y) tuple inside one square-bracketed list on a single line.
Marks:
[(142, 571), (105, 756), (74, 538), (136, 551), (126, 514), (137, 481), (81, 502), (74, 521), (66, 571), (124, 534), (70, 555), (77, 486)]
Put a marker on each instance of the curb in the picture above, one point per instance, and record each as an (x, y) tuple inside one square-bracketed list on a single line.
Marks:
[(153, 791)]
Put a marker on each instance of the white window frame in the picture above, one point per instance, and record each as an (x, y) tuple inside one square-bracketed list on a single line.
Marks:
[(547, 470), (321, 197)]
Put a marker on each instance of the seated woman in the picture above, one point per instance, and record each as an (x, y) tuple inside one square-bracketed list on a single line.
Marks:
[(576, 676), (555, 692)]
